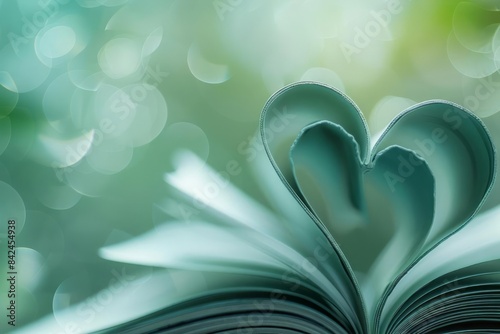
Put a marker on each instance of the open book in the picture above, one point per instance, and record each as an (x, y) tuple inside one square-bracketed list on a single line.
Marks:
[(370, 238)]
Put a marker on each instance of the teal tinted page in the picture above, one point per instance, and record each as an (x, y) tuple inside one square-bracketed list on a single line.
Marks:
[(161, 152)]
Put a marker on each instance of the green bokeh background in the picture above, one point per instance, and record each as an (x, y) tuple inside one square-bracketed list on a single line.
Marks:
[(64, 63)]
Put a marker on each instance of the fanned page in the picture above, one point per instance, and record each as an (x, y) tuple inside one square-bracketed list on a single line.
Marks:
[(305, 284), (276, 273)]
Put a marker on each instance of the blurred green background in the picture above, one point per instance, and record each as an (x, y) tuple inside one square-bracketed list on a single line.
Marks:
[(97, 96)]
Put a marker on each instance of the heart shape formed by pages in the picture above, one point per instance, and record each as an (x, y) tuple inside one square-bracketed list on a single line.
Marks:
[(385, 206)]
